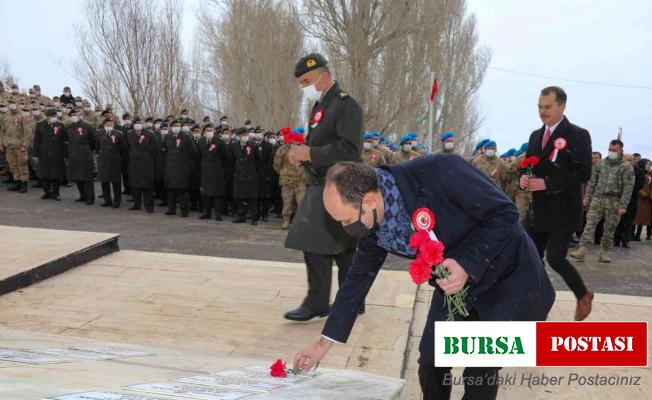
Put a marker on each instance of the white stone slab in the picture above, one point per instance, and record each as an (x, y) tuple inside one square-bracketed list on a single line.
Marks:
[(102, 395), (115, 351), (30, 358), (74, 354), (251, 385), (190, 391)]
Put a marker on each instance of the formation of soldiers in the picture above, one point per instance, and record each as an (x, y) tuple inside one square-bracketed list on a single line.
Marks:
[(245, 172)]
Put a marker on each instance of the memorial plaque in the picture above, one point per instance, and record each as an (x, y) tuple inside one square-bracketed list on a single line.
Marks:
[(30, 358), (258, 372), (102, 395), (74, 354), (254, 385), (191, 391), (115, 351)]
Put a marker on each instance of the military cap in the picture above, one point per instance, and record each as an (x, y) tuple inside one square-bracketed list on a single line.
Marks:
[(523, 147), (241, 131), (479, 145), (126, 115), (406, 138), (489, 143), (107, 119), (206, 126), (309, 63), (149, 119), (447, 135), (368, 136), (508, 153), (51, 112), (412, 135), (137, 119)]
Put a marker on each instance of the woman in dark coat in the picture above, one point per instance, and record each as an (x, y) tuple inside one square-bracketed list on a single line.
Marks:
[(245, 178), (111, 147), (213, 185), (81, 146), (180, 152), (143, 149), (50, 153)]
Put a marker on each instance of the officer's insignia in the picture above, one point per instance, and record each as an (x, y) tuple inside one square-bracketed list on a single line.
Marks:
[(560, 143), (311, 63), (343, 95), (15, 121), (494, 172), (423, 219)]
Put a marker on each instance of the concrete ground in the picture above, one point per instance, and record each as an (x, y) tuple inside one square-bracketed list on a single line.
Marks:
[(627, 275)]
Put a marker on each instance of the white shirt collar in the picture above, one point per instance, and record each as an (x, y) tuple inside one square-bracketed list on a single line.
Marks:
[(552, 128)]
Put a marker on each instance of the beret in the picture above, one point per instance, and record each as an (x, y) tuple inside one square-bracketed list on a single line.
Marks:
[(446, 135), (412, 135), (309, 63), (508, 153), (406, 138), (489, 143), (524, 147), (369, 135)]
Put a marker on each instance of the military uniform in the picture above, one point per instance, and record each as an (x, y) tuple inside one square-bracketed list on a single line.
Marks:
[(111, 149), (143, 149), (81, 146), (180, 153), (15, 138), (292, 181), (335, 134), (492, 167), (521, 197), (609, 189), (50, 150), (404, 156), (245, 180), (373, 158), (265, 153), (214, 154)]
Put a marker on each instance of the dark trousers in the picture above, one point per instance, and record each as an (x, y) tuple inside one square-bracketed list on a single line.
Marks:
[(195, 199), (86, 191), (213, 202), (51, 187), (263, 206), (180, 195), (436, 382), (141, 194), (247, 208), (555, 247), (106, 193), (624, 233), (320, 272), (125, 182), (159, 191)]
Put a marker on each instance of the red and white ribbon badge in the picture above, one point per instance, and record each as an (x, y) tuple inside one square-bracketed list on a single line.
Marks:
[(423, 219), (560, 144)]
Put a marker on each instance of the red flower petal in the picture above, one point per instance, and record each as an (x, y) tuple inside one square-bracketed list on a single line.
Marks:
[(417, 239), (432, 252), (277, 370), (420, 270)]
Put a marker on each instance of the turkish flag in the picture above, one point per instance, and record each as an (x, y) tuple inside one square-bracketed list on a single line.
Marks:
[(433, 92)]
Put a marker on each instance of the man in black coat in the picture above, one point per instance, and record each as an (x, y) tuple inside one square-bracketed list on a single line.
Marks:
[(81, 146), (143, 149), (111, 148), (624, 232), (335, 134), (213, 186), (160, 129), (229, 168), (274, 185), (485, 249), (565, 153), (179, 155), (49, 146), (245, 177), (194, 186), (125, 128), (264, 172)]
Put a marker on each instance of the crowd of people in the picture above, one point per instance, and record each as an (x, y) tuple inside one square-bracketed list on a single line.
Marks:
[(218, 170)]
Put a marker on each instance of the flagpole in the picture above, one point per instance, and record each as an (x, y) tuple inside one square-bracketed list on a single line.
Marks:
[(431, 117)]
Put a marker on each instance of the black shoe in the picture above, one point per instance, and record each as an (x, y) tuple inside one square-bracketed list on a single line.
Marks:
[(134, 208), (170, 212), (162, 204), (80, 200), (46, 196), (55, 197), (637, 239), (116, 205), (100, 196), (9, 180), (106, 204), (264, 219), (218, 218), (626, 246), (14, 186), (239, 220), (184, 214), (23, 187), (205, 216), (37, 184), (254, 223), (90, 202), (304, 314), (149, 210), (616, 244)]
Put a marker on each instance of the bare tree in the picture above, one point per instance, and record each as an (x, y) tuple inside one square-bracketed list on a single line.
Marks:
[(130, 55), (6, 76), (250, 48)]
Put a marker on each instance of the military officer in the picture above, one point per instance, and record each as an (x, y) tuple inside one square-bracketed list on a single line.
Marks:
[(50, 139), (370, 156), (291, 178), (111, 149), (335, 134), (81, 146), (143, 149), (406, 153), (14, 141), (490, 164), (448, 143)]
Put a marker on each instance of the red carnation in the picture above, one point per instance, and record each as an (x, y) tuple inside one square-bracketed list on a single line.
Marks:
[(529, 162), (432, 252), (417, 239), (420, 270), (277, 370)]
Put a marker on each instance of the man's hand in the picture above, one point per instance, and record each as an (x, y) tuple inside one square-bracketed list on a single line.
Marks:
[(621, 212), (536, 185), (299, 153), (311, 355), (586, 202), (457, 278), (524, 181)]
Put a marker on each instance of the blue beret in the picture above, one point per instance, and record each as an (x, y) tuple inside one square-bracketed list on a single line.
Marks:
[(375, 133), (480, 144), (369, 135), (446, 135), (508, 153), (394, 147), (412, 135), (382, 138), (523, 147), (405, 138), (489, 143), (518, 153), (298, 130)]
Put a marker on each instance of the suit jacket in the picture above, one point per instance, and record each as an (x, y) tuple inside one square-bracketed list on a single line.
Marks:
[(482, 233), (559, 207)]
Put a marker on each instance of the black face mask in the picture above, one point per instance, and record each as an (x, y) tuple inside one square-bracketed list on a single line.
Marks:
[(359, 230)]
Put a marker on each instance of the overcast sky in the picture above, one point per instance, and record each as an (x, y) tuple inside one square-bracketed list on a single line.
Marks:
[(606, 41)]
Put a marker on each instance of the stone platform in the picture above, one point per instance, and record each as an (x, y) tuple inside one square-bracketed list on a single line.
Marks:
[(30, 255)]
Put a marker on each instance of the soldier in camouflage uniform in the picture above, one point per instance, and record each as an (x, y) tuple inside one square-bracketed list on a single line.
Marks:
[(490, 164), (15, 138), (406, 153), (522, 198), (448, 143), (292, 181), (371, 157), (607, 195)]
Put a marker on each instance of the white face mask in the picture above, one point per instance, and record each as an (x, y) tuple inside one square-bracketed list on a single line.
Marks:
[(247, 127), (66, 93), (407, 147), (185, 129), (376, 142), (126, 122), (53, 119), (490, 153), (184, 115), (252, 136), (59, 113), (196, 135), (74, 119), (226, 137), (272, 141), (209, 135), (157, 126), (311, 93), (164, 132), (138, 127), (367, 145), (36, 113), (449, 145), (176, 129), (88, 109), (612, 155), (12, 107), (223, 122)]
